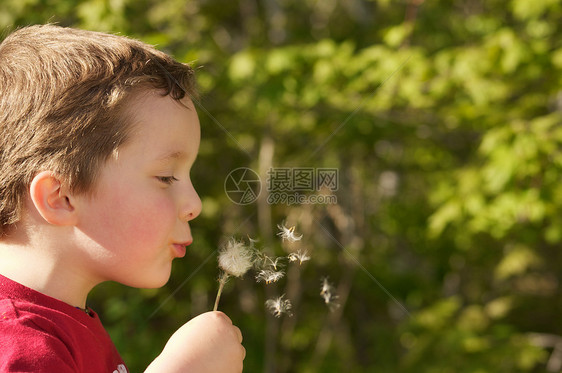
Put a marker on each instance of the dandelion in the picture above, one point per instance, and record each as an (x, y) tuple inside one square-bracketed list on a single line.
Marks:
[(328, 293), (269, 276), (235, 258), (300, 256), (279, 306), (288, 233)]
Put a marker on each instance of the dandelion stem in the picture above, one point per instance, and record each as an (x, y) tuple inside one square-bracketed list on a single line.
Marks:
[(218, 296), (222, 280)]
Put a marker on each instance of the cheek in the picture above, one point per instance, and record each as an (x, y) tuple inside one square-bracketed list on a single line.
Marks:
[(149, 220), (136, 219)]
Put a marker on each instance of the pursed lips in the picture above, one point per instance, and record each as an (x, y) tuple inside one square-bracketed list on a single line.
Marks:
[(180, 248)]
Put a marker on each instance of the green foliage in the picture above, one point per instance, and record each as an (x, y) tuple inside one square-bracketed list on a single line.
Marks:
[(444, 121)]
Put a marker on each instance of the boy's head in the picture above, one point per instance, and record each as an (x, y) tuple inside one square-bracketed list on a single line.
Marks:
[(63, 99)]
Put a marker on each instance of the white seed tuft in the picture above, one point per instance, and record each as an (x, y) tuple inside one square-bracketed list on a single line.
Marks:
[(269, 275), (300, 256), (235, 258), (288, 233), (279, 306), (328, 293)]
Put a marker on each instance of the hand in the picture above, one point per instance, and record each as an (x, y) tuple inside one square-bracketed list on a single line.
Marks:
[(208, 343)]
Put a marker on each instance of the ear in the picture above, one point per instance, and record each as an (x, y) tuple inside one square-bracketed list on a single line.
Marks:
[(51, 199)]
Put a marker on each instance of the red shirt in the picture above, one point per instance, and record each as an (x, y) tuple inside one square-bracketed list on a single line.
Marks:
[(41, 334)]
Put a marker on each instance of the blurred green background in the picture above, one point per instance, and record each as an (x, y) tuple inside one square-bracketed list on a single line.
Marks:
[(443, 118)]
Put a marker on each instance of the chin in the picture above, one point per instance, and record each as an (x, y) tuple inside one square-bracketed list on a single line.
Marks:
[(149, 281)]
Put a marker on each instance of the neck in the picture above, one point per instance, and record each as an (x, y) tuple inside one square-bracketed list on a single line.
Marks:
[(45, 270)]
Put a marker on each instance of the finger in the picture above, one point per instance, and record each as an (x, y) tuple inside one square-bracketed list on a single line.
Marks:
[(223, 315), (238, 333)]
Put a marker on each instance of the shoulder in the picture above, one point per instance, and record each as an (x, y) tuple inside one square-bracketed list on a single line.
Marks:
[(18, 315), (26, 346), (56, 337)]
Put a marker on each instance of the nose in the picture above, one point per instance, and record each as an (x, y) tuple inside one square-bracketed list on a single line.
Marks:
[(191, 203)]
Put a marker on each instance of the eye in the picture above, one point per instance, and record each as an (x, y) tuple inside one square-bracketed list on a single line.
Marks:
[(166, 179)]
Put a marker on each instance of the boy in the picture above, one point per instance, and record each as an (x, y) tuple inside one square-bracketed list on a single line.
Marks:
[(98, 134)]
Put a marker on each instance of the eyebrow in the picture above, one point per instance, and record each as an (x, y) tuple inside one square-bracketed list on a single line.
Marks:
[(171, 156)]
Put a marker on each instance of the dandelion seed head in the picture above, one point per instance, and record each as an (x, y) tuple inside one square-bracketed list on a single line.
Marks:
[(235, 258), (288, 233), (278, 306)]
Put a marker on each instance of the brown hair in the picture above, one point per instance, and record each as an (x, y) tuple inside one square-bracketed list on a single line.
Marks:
[(63, 93)]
